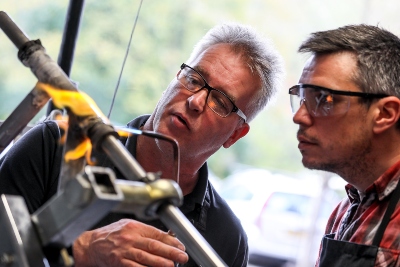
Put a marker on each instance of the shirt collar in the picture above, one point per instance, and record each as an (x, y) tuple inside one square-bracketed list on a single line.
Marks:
[(198, 195), (387, 182)]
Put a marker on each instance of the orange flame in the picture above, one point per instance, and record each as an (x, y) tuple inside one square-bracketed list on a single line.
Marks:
[(83, 149)]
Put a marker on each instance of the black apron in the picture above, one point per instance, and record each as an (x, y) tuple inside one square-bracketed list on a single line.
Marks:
[(337, 253)]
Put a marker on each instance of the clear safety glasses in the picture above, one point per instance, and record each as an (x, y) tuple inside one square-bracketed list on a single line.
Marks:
[(321, 101)]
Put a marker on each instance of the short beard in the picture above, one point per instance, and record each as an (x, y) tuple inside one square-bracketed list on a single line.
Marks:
[(350, 168)]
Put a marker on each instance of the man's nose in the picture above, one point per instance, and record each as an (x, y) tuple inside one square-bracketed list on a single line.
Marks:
[(302, 116), (198, 100)]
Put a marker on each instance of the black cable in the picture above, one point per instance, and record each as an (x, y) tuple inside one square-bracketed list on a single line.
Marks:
[(123, 64)]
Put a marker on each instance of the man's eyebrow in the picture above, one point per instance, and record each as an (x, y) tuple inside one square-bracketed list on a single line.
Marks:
[(206, 74), (202, 71)]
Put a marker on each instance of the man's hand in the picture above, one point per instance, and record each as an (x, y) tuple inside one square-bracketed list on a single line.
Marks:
[(127, 243)]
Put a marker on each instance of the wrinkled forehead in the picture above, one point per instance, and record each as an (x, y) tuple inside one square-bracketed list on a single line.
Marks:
[(229, 72)]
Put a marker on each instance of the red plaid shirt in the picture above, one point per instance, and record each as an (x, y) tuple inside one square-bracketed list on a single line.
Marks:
[(360, 225)]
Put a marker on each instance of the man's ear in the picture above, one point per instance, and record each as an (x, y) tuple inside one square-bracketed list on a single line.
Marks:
[(388, 114), (237, 134)]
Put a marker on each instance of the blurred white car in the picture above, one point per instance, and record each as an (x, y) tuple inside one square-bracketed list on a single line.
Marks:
[(284, 217)]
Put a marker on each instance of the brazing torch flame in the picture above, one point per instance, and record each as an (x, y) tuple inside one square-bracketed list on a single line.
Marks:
[(80, 104)]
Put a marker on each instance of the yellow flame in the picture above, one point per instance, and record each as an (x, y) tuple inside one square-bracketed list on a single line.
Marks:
[(83, 149), (123, 133), (80, 104)]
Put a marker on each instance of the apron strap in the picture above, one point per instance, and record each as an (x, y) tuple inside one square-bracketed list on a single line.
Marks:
[(386, 217)]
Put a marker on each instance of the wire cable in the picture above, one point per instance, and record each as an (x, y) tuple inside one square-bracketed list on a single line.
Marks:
[(123, 64)]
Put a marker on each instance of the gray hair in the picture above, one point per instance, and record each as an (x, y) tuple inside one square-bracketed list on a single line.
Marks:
[(377, 52), (259, 54)]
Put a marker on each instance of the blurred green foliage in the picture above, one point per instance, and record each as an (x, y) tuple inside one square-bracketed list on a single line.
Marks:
[(164, 37)]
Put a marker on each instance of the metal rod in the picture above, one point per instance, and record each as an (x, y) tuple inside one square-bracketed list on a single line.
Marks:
[(69, 39), (21, 116), (70, 35), (124, 161), (44, 68), (197, 246), (170, 215), (18, 37)]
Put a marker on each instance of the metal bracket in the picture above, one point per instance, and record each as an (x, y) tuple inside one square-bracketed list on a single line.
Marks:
[(83, 202)]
